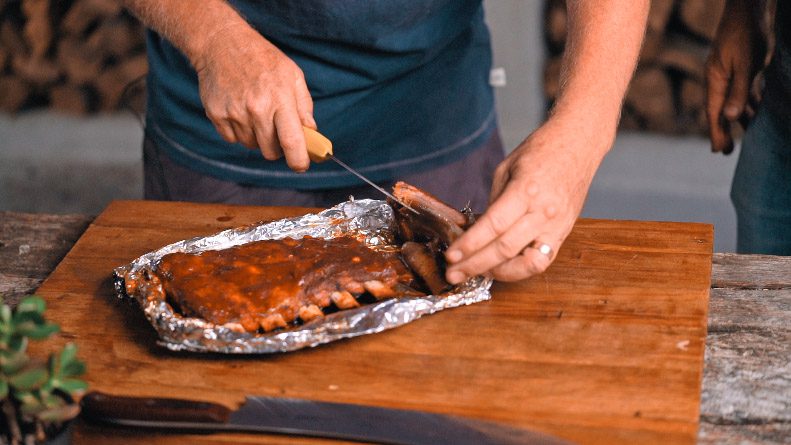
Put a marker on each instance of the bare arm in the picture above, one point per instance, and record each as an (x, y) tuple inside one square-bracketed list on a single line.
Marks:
[(604, 39), (539, 190), (252, 92), (187, 27)]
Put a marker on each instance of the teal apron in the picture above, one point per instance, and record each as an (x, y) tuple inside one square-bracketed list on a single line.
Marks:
[(400, 86)]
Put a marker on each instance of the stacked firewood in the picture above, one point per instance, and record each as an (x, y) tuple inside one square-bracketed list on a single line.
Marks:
[(667, 93), (77, 56)]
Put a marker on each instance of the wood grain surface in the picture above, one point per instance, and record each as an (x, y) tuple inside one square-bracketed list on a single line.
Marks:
[(747, 381), (31, 245), (605, 347)]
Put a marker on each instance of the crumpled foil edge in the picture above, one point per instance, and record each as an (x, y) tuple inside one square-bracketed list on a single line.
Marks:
[(370, 219)]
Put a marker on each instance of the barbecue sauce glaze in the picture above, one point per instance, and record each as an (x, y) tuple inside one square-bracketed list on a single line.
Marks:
[(268, 284)]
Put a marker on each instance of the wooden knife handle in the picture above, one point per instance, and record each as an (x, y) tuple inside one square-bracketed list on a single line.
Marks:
[(319, 147), (100, 406)]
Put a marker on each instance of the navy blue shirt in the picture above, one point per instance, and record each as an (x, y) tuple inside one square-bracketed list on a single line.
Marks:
[(398, 86)]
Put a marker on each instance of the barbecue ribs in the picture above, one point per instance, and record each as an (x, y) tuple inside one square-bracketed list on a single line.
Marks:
[(270, 284)]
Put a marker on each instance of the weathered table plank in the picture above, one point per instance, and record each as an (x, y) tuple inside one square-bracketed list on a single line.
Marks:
[(31, 245), (746, 388), (741, 434), (746, 396), (730, 270)]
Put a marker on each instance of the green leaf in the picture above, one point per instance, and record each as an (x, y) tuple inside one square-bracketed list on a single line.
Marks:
[(32, 303), (28, 317), (51, 400), (25, 397), (68, 355), (32, 407), (3, 389), (30, 379), (22, 328), (52, 365), (47, 387), (12, 363), (5, 314), (38, 332), (73, 369), (72, 385), (18, 343)]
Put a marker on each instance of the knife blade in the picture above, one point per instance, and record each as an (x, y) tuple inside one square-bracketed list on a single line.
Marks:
[(300, 417), (320, 150)]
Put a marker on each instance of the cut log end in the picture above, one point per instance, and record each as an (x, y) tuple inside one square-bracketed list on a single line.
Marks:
[(665, 92), (75, 56)]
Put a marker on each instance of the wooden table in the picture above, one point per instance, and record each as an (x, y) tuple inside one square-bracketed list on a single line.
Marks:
[(746, 395)]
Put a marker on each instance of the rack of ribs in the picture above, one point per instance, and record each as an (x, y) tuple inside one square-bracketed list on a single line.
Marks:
[(427, 233), (271, 284)]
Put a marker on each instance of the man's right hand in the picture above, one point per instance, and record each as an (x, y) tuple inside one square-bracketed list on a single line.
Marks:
[(737, 55), (252, 92), (255, 95)]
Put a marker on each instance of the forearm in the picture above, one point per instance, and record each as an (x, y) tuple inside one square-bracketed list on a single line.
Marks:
[(189, 28), (746, 14), (604, 38)]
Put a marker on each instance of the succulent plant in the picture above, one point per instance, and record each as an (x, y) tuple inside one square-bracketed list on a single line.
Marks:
[(37, 398)]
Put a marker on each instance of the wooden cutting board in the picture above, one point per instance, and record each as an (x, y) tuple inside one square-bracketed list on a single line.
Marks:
[(606, 347)]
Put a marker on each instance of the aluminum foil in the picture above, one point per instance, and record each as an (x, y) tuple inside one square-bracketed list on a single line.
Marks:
[(371, 220)]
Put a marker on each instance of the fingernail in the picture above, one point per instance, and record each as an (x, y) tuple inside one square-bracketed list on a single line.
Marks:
[(454, 256), (732, 112), (455, 277)]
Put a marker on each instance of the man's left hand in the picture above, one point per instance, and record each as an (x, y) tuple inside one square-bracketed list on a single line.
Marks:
[(537, 194)]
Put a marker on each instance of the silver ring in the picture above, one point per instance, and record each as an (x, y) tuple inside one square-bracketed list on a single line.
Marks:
[(543, 248)]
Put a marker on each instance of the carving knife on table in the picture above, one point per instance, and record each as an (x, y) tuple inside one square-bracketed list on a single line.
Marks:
[(320, 150), (299, 417)]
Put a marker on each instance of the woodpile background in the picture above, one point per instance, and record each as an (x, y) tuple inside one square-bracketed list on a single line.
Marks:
[(667, 93), (76, 56)]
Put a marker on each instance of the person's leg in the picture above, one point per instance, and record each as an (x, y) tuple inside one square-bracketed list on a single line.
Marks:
[(466, 181), (761, 190), (166, 180)]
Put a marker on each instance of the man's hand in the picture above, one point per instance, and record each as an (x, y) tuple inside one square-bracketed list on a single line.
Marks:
[(252, 92), (737, 55), (540, 188), (255, 95), (538, 192)]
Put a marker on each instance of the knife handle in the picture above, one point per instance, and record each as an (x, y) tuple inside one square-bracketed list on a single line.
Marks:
[(319, 147), (100, 406)]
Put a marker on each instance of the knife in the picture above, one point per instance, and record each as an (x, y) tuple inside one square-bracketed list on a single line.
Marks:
[(320, 150), (299, 417)]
